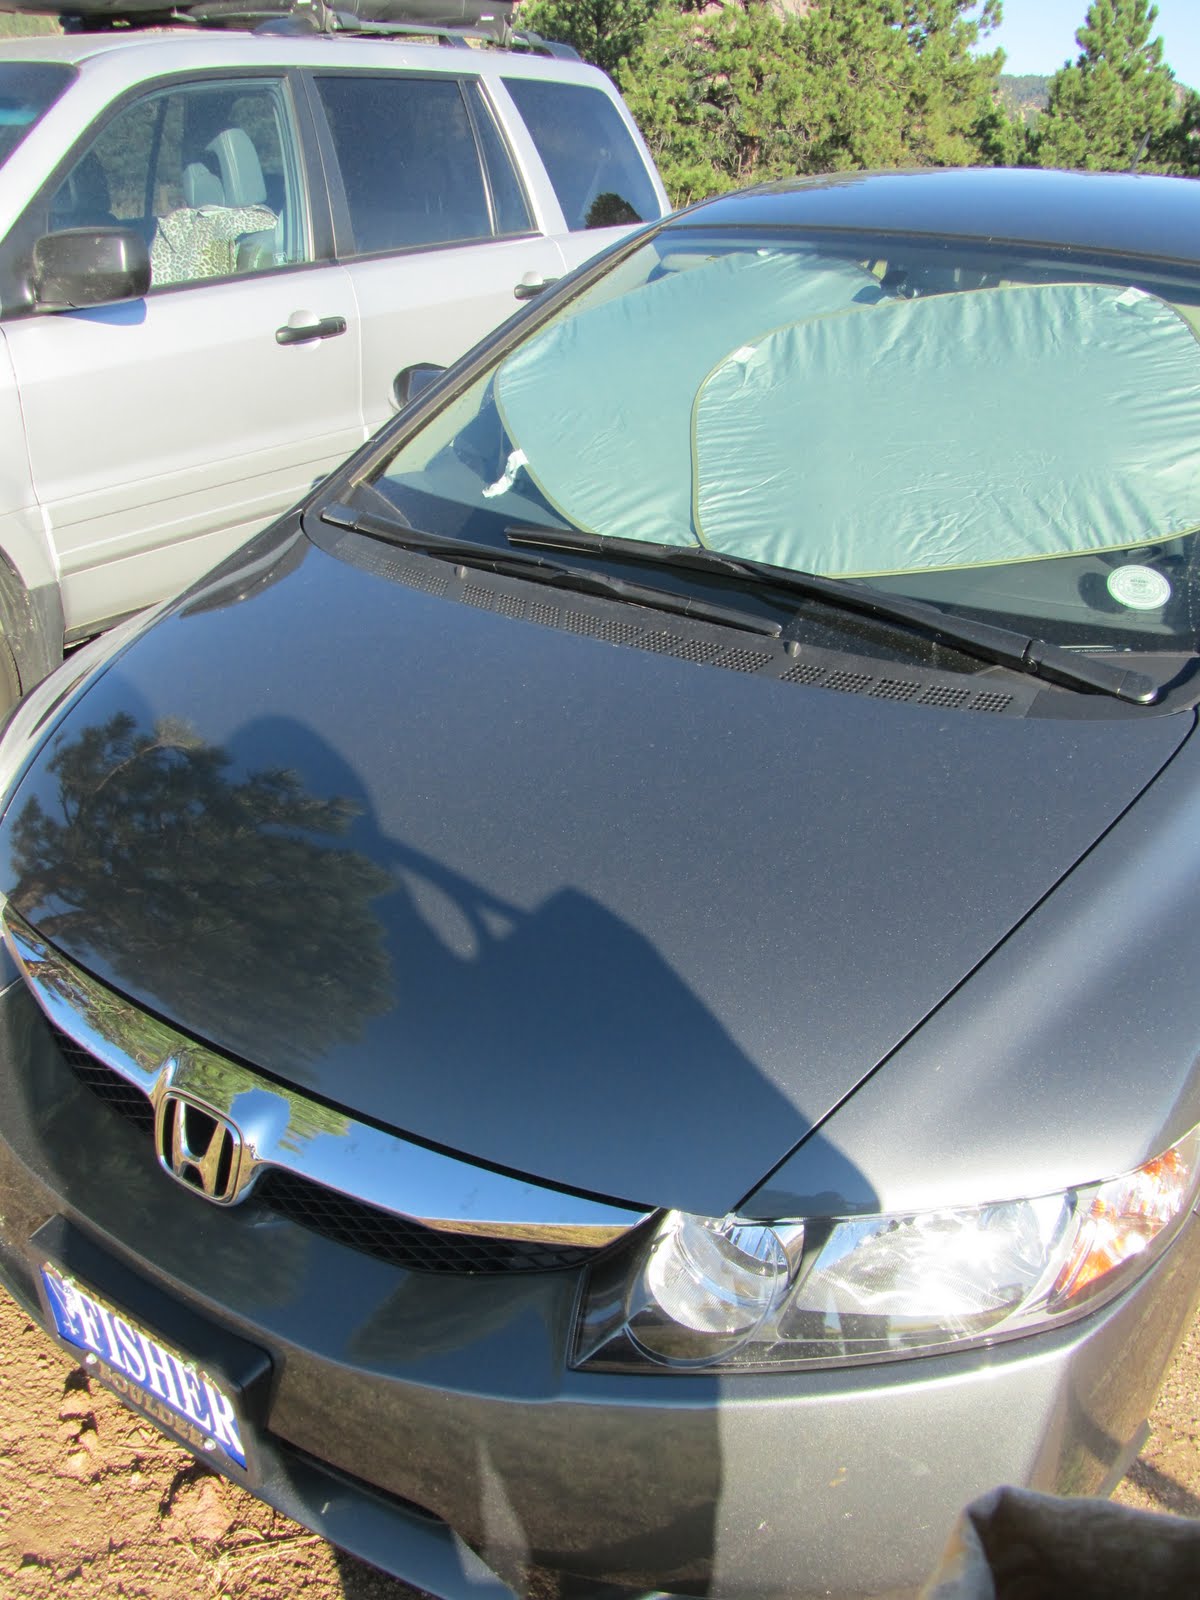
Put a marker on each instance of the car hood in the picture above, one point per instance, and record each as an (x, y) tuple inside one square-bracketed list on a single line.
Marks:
[(614, 919)]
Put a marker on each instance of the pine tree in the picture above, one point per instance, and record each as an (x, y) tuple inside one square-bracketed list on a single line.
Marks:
[(1117, 103), (954, 116), (604, 32), (1179, 148), (905, 85), (721, 97), (753, 91), (245, 855)]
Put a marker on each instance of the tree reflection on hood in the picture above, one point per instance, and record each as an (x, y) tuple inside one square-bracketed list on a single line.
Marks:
[(155, 846)]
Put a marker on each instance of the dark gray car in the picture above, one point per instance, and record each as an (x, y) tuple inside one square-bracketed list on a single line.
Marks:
[(609, 1007)]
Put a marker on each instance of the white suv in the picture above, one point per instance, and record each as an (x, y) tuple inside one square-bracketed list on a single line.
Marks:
[(220, 248)]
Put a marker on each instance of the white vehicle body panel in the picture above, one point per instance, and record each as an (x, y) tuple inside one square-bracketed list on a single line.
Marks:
[(431, 306), (21, 529), (186, 434), (144, 440)]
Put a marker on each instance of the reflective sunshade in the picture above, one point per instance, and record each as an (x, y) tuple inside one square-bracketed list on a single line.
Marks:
[(967, 429), (609, 442), (1074, 434), (1000, 430)]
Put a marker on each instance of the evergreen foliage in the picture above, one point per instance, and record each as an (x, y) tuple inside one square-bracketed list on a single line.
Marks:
[(729, 92), (1178, 150), (751, 91), (604, 32), (245, 858), (1117, 103), (1027, 91), (722, 100)]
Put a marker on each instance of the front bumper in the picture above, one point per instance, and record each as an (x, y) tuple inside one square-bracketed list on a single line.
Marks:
[(430, 1424)]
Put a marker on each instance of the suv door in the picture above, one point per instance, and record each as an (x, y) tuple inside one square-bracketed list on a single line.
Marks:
[(162, 432), (429, 211)]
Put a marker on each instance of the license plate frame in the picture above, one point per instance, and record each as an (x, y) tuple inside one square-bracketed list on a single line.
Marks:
[(161, 1360)]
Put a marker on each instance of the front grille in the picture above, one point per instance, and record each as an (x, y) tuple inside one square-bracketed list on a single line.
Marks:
[(110, 1086), (340, 1217)]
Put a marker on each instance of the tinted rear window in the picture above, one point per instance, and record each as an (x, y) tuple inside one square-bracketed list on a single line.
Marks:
[(597, 171), (409, 161), (27, 90)]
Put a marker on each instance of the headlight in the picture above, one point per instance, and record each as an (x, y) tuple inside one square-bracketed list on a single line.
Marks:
[(730, 1293), (706, 1286)]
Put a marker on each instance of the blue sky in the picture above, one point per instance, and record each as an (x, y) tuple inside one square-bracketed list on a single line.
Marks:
[(1039, 35)]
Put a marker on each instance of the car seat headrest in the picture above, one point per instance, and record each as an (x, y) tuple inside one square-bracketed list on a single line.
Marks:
[(240, 169), (201, 186)]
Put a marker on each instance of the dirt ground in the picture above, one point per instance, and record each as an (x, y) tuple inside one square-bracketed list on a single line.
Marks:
[(94, 1503)]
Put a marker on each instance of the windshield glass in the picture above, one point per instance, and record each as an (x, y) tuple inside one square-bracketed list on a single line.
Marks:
[(26, 91), (1009, 433)]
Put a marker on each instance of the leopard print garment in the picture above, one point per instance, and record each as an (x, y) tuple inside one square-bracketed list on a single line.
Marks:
[(202, 241)]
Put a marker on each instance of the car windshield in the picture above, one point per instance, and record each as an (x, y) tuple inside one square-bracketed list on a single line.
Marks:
[(27, 90), (1005, 431)]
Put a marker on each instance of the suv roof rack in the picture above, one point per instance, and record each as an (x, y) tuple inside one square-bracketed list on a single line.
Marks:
[(490, 23), (450, 19), (452, 22)]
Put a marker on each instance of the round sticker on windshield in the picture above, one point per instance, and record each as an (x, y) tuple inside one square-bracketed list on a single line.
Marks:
[(1139, 588)]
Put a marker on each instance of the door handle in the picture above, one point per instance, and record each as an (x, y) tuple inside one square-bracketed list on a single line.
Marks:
[(531, 285), (302, 326)]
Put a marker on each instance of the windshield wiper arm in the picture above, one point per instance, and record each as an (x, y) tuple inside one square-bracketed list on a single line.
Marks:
[(1006, 647), (464, 552)]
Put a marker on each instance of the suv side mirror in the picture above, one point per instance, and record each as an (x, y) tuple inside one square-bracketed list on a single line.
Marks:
[(79, 267), (411, 380)]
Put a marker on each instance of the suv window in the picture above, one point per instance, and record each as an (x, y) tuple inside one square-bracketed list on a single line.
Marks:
[(508, 197), (593, 163), (409, 161), (26, 91), (207, 173)]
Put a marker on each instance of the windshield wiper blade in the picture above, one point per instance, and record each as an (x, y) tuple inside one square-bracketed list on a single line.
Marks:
[(400, 532), (464, 552), (1006, 647)]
